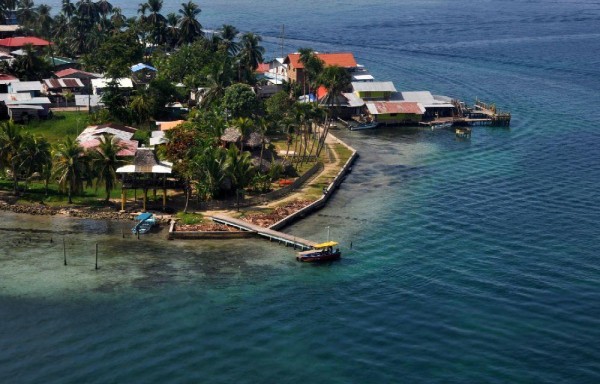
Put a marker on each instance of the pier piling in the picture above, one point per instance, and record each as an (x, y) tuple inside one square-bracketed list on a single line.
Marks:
[(65, 250), (96, 256)]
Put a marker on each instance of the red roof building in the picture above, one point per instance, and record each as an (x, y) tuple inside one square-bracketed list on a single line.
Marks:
[(262, 68), (19, 42), (340, 59)]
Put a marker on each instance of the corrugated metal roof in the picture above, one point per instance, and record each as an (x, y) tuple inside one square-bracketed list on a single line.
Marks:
[(388, 107), (375, 86), (426, 99), (25, 86), (63, 83), (85, 100), (72, 71), (22, 41), (353, 100)]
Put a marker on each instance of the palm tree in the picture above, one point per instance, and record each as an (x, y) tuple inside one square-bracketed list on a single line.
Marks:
[(35, 156), (244, 125), (238, 167), (87, 11), (336, 80), (211, 171), (156, 20), (262, 126), (228, 34), (26, 13), (250, 55), (11, 140), (117, 19), (44, 20), (189, 26), (68, 9), (71, 167), (104, 8), (218, 79), (105, 162), (313, 66), (141, 106), (172, 29)]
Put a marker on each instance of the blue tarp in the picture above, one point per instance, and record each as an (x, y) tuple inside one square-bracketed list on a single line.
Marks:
[(143, 216), (140, 66)]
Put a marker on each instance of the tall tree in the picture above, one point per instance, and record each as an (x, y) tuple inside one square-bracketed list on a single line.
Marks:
[(336, 80), (228, 34), (26, 13), (156, 21), (189, 26), (249, 56), (68, 9), (71, 167), (35, 156), (172, 29), (11, 140), (105, 161)]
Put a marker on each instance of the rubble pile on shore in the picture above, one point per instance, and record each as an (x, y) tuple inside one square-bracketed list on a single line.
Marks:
[(267, 219), (79, 212), (204, 227)]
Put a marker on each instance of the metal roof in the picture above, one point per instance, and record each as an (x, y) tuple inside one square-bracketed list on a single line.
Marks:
[(63, 83), (389, 107), (86, 100), (363, 77), (374, 86), (22, 41), (426, 99), (25, 86), (353, 100)]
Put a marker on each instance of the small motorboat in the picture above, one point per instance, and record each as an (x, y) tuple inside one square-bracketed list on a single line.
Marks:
[(145, 222), (365, 125), (441, 125), (463, 132), (320, 252)]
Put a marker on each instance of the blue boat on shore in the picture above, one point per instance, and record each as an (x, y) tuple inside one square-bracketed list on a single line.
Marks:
[(145, 222)]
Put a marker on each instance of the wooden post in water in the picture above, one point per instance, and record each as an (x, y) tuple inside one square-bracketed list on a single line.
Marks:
[(123, 194), (65, 250), (96, 255), (164, 199)]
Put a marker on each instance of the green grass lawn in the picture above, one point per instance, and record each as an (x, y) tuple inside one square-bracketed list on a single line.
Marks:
[(61, 125), (36, 193)]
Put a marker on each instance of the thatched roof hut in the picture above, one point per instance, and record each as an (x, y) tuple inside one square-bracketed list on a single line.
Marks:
[(255, 140), (231, 135)]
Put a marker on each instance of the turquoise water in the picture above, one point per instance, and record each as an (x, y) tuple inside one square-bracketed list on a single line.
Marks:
[(471, 262)]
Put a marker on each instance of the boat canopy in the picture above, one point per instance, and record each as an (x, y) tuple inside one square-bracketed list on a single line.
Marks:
[(143, 216), (327, 244)]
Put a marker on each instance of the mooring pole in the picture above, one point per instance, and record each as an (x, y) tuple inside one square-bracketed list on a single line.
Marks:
[(96, 255), (64, 250)]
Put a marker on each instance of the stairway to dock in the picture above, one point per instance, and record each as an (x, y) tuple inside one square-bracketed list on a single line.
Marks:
[(287, 239)]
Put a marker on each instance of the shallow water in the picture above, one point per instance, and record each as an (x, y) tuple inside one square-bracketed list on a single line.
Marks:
[(471, 261)]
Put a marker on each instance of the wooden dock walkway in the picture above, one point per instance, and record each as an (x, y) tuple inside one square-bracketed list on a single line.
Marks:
[(288, 240)]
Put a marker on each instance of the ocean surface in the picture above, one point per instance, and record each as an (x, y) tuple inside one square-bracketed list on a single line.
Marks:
[(471, 262)]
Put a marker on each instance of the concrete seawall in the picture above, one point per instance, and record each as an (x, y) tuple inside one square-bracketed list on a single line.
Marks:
[(320, 203)]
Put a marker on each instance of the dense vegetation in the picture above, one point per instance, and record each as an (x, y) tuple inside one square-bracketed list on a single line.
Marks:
[(220, 70)]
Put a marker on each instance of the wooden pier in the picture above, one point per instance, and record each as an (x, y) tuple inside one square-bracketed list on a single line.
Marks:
[(288, 240)]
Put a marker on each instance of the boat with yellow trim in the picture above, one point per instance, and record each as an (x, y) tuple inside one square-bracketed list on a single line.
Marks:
[(320, 252)]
